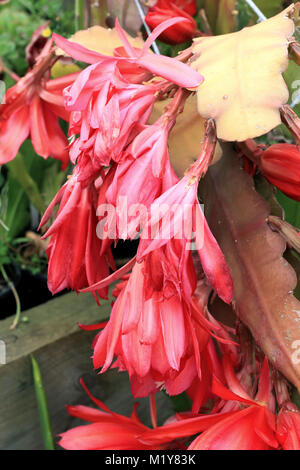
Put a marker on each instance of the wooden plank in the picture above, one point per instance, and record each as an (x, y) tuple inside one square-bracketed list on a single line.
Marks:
[(50, 322), (63, 353)]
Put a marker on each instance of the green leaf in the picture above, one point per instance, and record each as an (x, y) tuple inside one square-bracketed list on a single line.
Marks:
[(268, 192), (292, 79), (42, 406), (291, 209), (269, 7), (181, 402), (246, 16), (21, 172), (226, 19), (17, 211)]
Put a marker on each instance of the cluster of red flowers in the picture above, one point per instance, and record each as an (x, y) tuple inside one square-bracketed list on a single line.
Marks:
[(241, 419), (160, 330)]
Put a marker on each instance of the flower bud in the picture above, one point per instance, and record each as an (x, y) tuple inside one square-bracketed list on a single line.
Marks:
[(177, 34), (280, 164), (189, 6)]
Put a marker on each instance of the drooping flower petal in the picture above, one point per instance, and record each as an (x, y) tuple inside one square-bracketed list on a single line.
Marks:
[(13, 132)]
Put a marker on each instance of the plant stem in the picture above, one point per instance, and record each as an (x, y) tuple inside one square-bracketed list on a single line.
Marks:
[(153, 410), (143, 18), (20, 173), (42, 406), (16, 296), (99, 12), (255, 8), (79, 14), (12, 74)]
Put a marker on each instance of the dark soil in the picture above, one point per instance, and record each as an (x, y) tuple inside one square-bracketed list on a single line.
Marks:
[(33, 290)]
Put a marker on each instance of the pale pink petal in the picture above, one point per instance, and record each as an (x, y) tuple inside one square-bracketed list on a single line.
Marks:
[(171, 69), (77, 51), (173, 328)]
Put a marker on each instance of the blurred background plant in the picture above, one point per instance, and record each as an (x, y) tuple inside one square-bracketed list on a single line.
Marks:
[(28, 183), (19, 19)]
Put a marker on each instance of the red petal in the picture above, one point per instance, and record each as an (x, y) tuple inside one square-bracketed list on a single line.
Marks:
[(223, 392), (213, 260), (173, 328), (13, 132), (57, 140), (112, 278), (38, 131), (102, 436), (184, 428)]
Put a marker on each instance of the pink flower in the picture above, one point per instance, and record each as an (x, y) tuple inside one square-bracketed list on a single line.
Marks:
[(32, 109), (177, 214), (74, 248), (156, 330), (108, 120), (143, 175), (166, 67), (108, 110)]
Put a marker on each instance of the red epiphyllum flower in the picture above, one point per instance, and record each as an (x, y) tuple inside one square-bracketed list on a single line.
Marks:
[(32, 109), (74, 245)]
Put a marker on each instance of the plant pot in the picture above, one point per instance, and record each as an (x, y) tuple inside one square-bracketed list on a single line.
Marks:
[(32, 290)]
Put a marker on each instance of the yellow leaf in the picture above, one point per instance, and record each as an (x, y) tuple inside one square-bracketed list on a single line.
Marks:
[(186, 137), (243, 88), (60, 69), (101, 40)]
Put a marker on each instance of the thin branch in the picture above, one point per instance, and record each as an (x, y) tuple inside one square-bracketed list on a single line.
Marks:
[(16, 296), (143, 18), (256, 10), (12, 74)]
